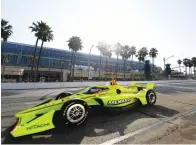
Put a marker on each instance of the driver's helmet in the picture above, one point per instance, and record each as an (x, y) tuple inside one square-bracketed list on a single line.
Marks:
[(113, 82)]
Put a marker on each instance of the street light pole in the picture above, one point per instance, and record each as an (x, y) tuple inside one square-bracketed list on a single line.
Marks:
[(164, 63), (165, 60), (89, 61)]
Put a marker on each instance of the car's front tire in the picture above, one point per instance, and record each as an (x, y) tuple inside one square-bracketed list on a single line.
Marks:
[(75, 113), (151, 97)]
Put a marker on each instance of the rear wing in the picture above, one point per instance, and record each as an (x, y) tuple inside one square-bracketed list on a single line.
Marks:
[(147, 86)]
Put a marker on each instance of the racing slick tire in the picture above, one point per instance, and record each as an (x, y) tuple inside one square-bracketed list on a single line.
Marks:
[(75, 113), (151, 97)]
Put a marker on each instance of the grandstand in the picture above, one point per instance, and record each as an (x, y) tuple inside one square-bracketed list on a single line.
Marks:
[(18, 64)]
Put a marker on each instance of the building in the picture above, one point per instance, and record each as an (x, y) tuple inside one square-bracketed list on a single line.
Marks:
[(55, 64)]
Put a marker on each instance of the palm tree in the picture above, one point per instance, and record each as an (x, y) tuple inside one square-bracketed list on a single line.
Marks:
[(102, 46), (185, 62), (6, 32), (4, 60), (125, 54), (140, 58), (141, 54), (46, 36), (179, 63), (38, 30), (132, 52), (31, 59), (190, 65), (75, 44), (108, 55), (153, 53), (117, 50), (62, 66), (194, 64)]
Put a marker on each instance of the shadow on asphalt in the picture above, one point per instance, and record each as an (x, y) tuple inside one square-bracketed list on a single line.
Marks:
[(172, 90), (98, 124)]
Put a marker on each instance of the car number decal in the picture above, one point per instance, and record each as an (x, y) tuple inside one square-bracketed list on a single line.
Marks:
[(116, 102)]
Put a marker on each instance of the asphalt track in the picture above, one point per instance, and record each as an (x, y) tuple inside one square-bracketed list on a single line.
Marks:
[(173, 98)]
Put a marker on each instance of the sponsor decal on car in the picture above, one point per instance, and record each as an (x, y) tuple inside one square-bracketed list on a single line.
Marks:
[(116, 102), (38, 126)]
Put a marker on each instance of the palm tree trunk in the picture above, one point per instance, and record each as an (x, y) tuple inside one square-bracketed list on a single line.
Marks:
[(131, 66), (36, 74), (117, 68), (106, 63), (180, 68), (140, 66), (100, 68), (189, 70), (3, 70), (73, 67), (186, 70), (61, 74), (34, 56), (124, 69), (153, 65)]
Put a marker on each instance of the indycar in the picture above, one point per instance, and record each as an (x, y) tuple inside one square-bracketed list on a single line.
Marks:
[(73, 108)]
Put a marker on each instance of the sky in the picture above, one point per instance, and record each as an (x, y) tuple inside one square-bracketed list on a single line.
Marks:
[(167, 25)]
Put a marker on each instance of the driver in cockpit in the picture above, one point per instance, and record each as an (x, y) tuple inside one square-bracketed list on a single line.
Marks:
[(113, 82)]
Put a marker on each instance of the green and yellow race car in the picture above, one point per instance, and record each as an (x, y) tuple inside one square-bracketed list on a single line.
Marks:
[(72, 109)]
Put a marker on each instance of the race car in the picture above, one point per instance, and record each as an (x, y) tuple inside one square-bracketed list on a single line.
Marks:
[(72, 109)]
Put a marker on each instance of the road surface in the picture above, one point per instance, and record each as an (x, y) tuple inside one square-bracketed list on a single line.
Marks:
[(173, 98)]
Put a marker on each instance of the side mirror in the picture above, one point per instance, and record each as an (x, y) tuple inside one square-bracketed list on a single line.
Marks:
[(118, 91)]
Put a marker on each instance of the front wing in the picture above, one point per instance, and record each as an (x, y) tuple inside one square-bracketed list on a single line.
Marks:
[(36, 125)]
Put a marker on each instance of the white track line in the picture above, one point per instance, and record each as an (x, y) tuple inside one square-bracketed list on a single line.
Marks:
[(121, 138)]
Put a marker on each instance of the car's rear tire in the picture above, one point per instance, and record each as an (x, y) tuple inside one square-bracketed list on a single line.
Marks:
[(151, 97), (75, 113)]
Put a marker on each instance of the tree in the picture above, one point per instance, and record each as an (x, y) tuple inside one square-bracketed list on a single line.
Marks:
[(125, 54), (153, 54), (46, 36), (194, 64), (4, 60), (141, 54), (6, 30), (108, 55), (75, 44), (95, 66), (132, 52), (179, 63), (185, 62), (147, 70), (190, 65), (38, 30), (117, 50), (102, 46), (62, 66)]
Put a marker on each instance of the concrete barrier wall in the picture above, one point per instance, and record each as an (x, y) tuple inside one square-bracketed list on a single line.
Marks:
[(50, 85), (21, 86), (44, 85)]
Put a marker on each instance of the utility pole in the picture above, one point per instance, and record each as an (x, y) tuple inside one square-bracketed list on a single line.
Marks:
[(164, 59)]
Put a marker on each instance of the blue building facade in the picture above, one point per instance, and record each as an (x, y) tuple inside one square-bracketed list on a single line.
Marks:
[(51, 58)]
